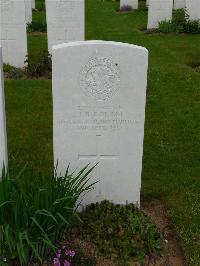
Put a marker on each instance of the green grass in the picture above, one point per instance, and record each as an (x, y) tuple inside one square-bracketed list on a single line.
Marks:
[(39, 16), (170, 164)]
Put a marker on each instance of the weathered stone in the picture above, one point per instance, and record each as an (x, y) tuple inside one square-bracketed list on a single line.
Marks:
[(99, 94)]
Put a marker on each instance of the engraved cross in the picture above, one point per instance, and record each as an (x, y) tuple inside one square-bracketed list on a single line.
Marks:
[(98, 157)]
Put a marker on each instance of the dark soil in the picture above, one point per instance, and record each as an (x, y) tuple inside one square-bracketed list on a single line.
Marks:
[(37, 33), (173, 256)]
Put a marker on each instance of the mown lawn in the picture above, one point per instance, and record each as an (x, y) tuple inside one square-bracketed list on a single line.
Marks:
[(170, 164)]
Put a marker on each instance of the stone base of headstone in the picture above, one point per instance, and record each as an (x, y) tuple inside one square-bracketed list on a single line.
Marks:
[(132, 3)]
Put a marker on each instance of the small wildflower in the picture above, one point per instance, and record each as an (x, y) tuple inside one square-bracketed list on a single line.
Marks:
[(67, 263), (58, 253), (56, 262), (70, 253)]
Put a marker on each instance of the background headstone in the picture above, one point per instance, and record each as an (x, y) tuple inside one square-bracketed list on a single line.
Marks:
[(33, 4), (159, 10), (13, 37), (132, 3), (193, 9), (179, 4), (28, 8), (3, 138), (65, 21), (99, 94)]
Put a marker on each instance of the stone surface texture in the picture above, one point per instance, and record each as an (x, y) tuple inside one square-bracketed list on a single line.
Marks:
[(159, 10), (132, 3), (28, 8), (65, 21), (13, 37), (193, 9), (99, 95), (179, 4)]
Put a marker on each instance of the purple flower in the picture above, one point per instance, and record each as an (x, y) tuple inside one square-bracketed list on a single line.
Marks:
[(70, 253), (58, 253), (56, 262), (67, 263)]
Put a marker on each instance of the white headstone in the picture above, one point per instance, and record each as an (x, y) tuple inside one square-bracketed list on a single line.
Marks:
[(147, 3), (3, 138), (159, 10), (33, 4), (193, 9), (131, 3), (13, 37), (179, 4), (28, 6), (65, 21), (99, 95)]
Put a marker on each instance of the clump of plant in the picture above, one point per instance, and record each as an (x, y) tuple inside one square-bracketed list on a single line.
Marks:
[(34, 214), (180, 23), (7, 67), (36, 26), (36, 69), (126, 8), (195, 66), (15, 73), (121, 232)]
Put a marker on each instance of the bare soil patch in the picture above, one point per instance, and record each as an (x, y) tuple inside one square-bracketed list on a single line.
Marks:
[(35, 33), (173, 256)]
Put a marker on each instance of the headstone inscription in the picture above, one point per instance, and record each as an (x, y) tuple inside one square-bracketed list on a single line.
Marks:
[(193, 9), (159, 10), (65, 21), (179, 4), (131, 3), (99, 94), (28, 11), (13, 37), (3, 138)]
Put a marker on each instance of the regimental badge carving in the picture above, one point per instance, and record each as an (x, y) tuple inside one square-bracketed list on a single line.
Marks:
[(100, 79)]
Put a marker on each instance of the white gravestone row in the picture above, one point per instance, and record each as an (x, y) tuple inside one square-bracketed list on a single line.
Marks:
[(99, 94), (65, 21), (28, 10), (159, 10), (13, 37), (131, 3), (193, 9), (179, 4), (3, 139)]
